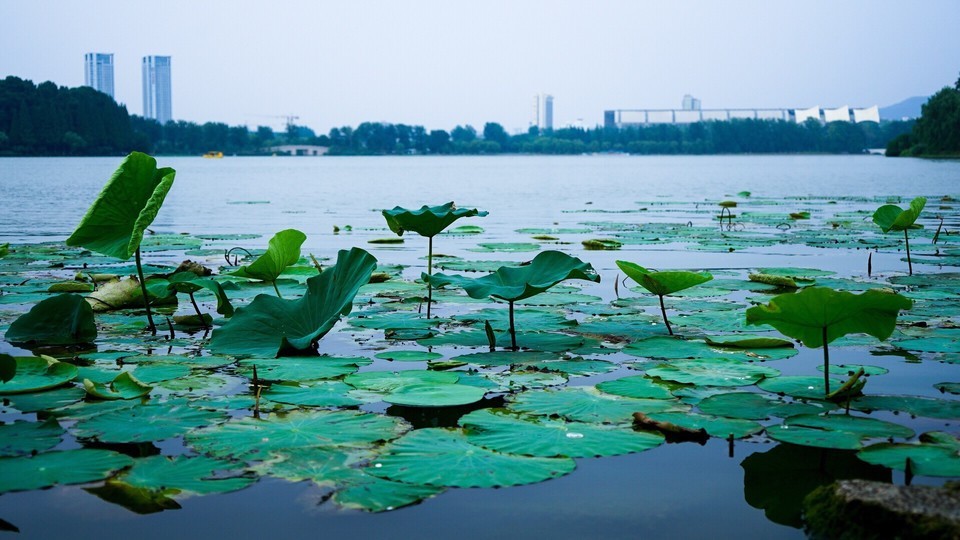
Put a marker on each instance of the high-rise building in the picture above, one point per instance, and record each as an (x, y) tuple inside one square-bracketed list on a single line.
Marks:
[(690, 103), (156, 89), (98, 72), (543, 111)]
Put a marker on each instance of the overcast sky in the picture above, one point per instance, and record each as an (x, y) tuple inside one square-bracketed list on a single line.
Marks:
[(443, 63)]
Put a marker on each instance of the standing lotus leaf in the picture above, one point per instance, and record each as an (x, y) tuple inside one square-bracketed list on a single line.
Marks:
[(513, 283), (818, 315), (282, 251), (663, 283), (65, 319), (189, 283), (270, 326), (428, 221), (128, 204), (891, 217)]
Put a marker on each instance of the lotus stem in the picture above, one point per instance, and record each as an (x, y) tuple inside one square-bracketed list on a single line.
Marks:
[(197, 309), (826, 364), (663, 311), (513, 329), (429, 273), (906, 239), (276, 288), (146, 298)]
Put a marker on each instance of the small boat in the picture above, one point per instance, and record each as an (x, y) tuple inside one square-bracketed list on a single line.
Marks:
[(213, 155)]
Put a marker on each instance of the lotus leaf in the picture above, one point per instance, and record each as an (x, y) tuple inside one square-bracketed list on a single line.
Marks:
[(508, 432), (518, 282), (514, 380), (779, 479), (838, 431), (190, 283), (408, 356), (145, 423), (124, 386), (282, 251), (366, 492), (587, 405), (818, 315), (389, 381), (663, 283), (714, 425), (252, 438), (115, 223), (748, 342), (444, 457), (505, 358), (63, 467), (435, 395), (576, 367), (38, 373), (269, 326), (753, 406), (65, 319), (20, 438), (851, 369), (944, 409), (797, 386), (713, 372), (892, 218), (198, 475), (301, 368), (937, 454), (637, 386), (46, 401), (322, 394)]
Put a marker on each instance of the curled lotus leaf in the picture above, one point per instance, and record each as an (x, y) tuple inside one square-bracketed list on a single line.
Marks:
[(663, 283), (270, 326), (891, 217), (38, 373), (123, 386), (65, 319), (428, 220), (282, 251), (445, 457), (128, 204), (512, 283), (818, 312), (188, 282)]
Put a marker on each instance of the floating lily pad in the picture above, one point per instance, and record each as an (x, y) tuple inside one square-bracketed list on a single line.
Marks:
[(945, 409), (509, 432), (839, 431), (145, 423), (21, 438), (444, 457), (38, 373), (716, 426), (389, 381), (321, 394), (506, 358), (408, 356), (713, 372), (936, 455), (636, 386), (64, 467), (302, 368), (851, 369), (48, 400), (798, 386), (929, 344), (198, 475), (754, 406), (374, 494), (65, 319), (588, 405), (435, 395)]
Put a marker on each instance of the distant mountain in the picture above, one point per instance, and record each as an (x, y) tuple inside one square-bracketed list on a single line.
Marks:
[(908, 108)]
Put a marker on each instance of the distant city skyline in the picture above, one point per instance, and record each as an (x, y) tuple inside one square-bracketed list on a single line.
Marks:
[(157, 90), (98, 72), (441, 64)]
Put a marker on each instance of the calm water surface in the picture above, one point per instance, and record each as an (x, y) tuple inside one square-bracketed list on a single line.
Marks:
[(674, 491)]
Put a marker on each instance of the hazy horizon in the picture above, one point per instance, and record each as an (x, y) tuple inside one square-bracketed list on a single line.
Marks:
[(441, 64)]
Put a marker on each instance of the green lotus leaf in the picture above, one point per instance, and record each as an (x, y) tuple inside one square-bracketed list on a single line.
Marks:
[(713, 372), (512, 433), (512, 283), (301, 368), (925, 459), (754, 406), (930, 344), (588, 405), (124, 386), (8, 367), (797, 386), (38, 373), (445, 457), (322, 394), (893, 218), (65, 319), (817, 438), (390, 381), (198, 475), (748, 342), (46, 401), (945, 409), (779, 479), (252, 438), (575, 367), (637, 386), (129, 202), (841, 432), (63, 467), (189, 283), (269, 326), (716, 426), (515, 380), (428, 220), (851, 369), (282, 251), (951, 387), (435, 395), (818, 314), (366, 492), (20, 438), (145, 423), (408, 356), (505, 358), (663, 283)]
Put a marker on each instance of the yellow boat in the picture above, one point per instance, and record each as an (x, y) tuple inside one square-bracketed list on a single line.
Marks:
[(213, 155)]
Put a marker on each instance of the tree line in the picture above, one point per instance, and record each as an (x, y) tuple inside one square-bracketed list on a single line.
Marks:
[(937, 131), (49, 120)]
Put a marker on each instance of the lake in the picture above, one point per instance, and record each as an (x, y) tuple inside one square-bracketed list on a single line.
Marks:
[(672, 491)]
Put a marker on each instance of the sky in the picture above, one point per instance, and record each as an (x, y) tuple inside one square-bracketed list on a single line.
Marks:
[(445, 63)]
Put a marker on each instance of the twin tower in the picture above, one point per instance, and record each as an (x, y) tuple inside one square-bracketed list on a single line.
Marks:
[(157, 104)]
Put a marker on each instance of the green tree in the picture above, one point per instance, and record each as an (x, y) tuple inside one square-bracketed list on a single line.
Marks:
[(494, 132)]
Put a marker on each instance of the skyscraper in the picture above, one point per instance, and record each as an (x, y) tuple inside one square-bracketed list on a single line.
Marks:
[(548, 112), (98, 72), (543, 111), (156, 89)]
